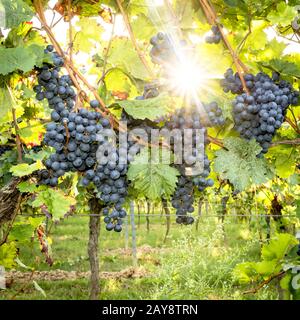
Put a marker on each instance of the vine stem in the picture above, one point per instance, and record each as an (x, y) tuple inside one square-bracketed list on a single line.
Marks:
[(104, 73), (293, 125), (264, 283), (24, 286), (288, 142), (212, 19), (220, 143), (69, 8), (68, 63), (18, 138), (133, 40)]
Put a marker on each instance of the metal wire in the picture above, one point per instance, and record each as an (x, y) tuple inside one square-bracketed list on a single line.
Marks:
[(171, 215)]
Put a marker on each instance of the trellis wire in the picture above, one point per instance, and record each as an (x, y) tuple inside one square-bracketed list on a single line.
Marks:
[(171, 215)]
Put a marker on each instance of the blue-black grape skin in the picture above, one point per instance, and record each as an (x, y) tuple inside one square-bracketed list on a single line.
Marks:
[(259, 114), (73, 134)]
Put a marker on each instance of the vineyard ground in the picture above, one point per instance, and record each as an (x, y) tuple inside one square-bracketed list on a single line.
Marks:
[(190, 265)]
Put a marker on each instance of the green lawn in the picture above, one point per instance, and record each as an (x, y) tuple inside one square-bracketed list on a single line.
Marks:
[(190, 265)]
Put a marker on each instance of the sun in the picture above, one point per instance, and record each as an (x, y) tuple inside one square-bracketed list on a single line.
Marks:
[(186, 77)]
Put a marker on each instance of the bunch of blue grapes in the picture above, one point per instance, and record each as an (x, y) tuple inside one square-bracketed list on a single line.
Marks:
[(215, 37), (78, 136), (214, 114), (260, 113), (183, 197), (163, 49)]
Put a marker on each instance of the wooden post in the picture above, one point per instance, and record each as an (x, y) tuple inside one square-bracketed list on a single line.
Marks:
[(168, 217), (126, 233), (133, 234), (93, 248)]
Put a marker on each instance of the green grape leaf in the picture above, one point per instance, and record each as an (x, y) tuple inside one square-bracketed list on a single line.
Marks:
[(6, 102), (138, 6), (56, 202), (258, 38), (153, 179), (130, 61), (244, 272), (90, 33), (8, 253), (149, 108), (298, 209), (283, 14), (284, 160), (266, 268), (41, 155), (232, 3), (240, 163), (26, 186), (22, 232), (143, 28), (278, 247), (16, 11), (284, 67), (23, 59), (25, 169)]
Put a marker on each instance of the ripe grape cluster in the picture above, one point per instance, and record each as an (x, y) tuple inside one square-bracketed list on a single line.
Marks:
[(195, 167), (215, 37), (260, 113), (83, 142), (163, 50), (213, 115)]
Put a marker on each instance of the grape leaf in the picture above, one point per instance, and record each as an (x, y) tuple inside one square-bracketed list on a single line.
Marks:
[(8, 253), (298, 209), (278, 247), (90, 33), (16, 11), (244, 272), (19, 58), (24, 169), (6, 102), (148, 109), (56, 202), (26, 186), (151, 179), (117, 81), (283, 14), (240, 165), (22, 232), (285, 67), (143, 28), (284, 160), (129, 61)]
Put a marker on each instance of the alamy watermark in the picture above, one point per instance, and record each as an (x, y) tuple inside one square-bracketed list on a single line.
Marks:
[(177, 146)]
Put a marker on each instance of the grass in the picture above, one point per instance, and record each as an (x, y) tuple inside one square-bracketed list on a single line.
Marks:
[(190, 265)]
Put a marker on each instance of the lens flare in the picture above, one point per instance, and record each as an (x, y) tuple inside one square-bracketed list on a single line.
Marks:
[(186, 77)]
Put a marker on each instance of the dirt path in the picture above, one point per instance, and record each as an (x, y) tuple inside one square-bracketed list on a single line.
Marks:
[(59, 275)]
